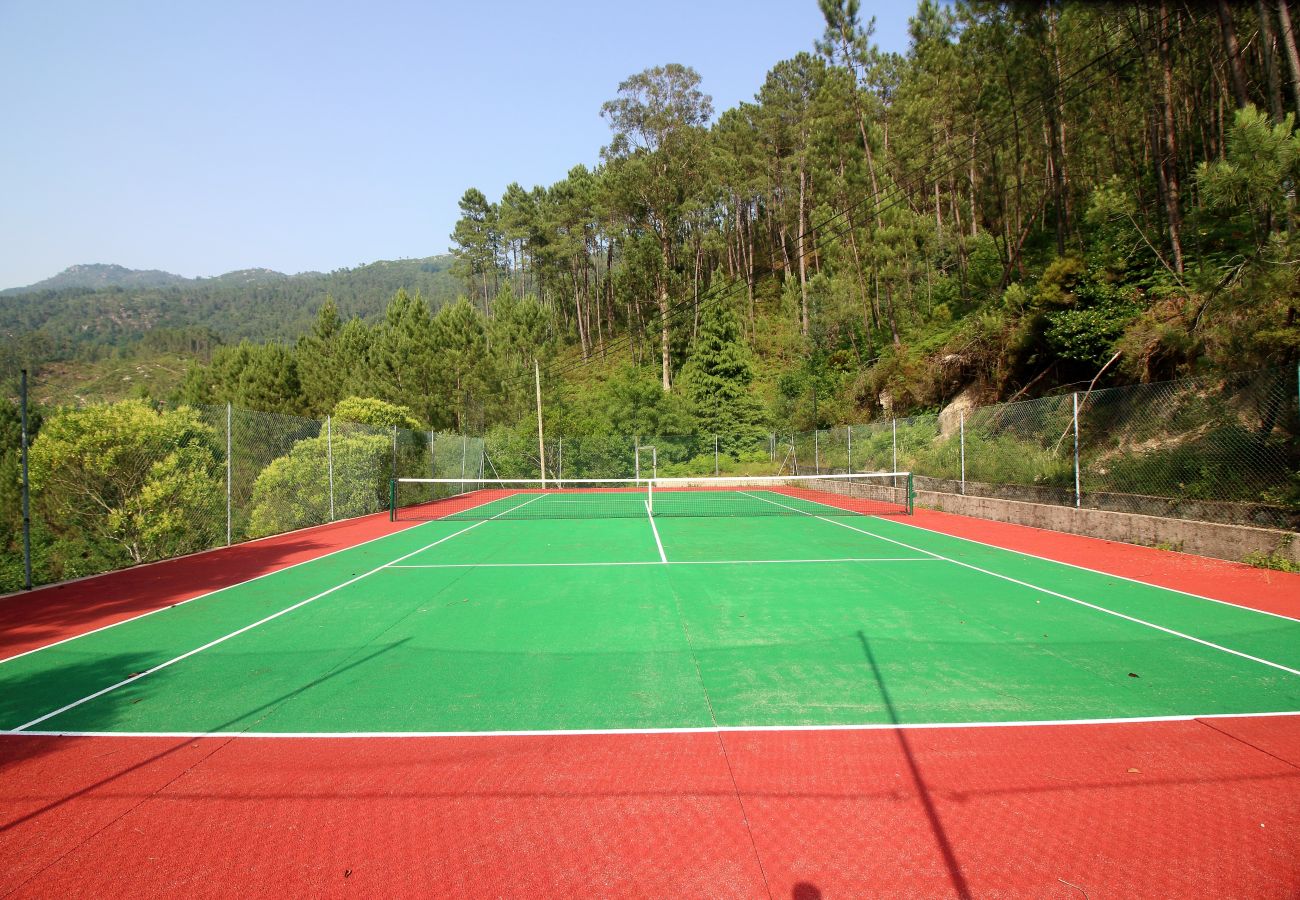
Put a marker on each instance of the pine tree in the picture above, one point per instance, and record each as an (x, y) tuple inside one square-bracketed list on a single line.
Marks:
[(718, 377)]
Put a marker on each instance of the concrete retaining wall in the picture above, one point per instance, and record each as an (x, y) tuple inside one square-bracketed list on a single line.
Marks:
[(1233, 542)]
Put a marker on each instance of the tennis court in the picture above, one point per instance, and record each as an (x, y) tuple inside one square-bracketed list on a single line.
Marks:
[(510, 612)]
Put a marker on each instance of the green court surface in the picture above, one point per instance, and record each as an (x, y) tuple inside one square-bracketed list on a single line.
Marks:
[(577, 624)]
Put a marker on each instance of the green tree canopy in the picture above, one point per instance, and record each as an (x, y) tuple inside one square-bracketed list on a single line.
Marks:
[(124, 483)]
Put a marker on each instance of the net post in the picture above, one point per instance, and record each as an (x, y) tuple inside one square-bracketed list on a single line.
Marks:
[(392, 500), (650, 497), (1078, 499), (911, 495), (229, 472)]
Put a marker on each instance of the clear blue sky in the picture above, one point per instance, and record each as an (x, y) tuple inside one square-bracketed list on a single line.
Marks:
[(199, 138)]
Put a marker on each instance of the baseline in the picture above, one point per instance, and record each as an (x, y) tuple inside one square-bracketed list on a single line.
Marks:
[(698, 729)]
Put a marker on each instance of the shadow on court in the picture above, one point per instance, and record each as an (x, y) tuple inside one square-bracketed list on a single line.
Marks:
[(959, 884), (17, 748)]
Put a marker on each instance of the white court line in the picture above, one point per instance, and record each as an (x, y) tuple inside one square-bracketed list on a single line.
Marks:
[(703, 729), (208, 594), (663, 557), (262, 621), (674, 562), (1109, 612), (217, 590), (1061, 562)]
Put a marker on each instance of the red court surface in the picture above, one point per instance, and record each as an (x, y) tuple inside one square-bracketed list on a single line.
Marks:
[(1208, 807)]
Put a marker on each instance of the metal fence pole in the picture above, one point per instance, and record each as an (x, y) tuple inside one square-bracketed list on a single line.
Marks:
[(433, 459), (1078, 500), (464, 452), (963, 451), (894, 466), (817, 451), (27, 496), (394, 451), (715, 456), (849, 431), (329, 456), (559, 449), (636, 458), (229, 471)]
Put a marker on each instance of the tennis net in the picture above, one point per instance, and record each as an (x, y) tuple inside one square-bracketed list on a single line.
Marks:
[(879, 493)]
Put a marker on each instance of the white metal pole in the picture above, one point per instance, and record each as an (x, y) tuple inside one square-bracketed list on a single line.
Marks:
[(1078, 499), (433, 460), (464, 452), (541, 444), (228, 475), (894, 464), (329, 455), (559, 446), (654, 462), (963, 451), (636, 458)]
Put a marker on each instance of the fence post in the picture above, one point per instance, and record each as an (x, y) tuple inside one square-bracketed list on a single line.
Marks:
[(894, 466), (394, 451), (715, 456), (559, 449), (849, 430), (329, 456), (963, 450), (229, 471), (433, 459), (464, 452), (1078, 499), (27, 497), (636, 457), (817, 451)]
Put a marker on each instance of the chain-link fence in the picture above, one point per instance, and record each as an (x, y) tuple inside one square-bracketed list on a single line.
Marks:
[(133, 482)]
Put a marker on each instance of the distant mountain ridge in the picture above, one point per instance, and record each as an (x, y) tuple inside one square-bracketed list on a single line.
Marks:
[(97, 276), (110, 306)]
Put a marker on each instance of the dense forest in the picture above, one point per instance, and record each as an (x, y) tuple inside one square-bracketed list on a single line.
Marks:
[(1034, 197), (1032, 194)]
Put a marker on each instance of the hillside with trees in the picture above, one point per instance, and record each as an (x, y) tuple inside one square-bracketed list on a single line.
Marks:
[(1034, 198), (1031, 195)]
